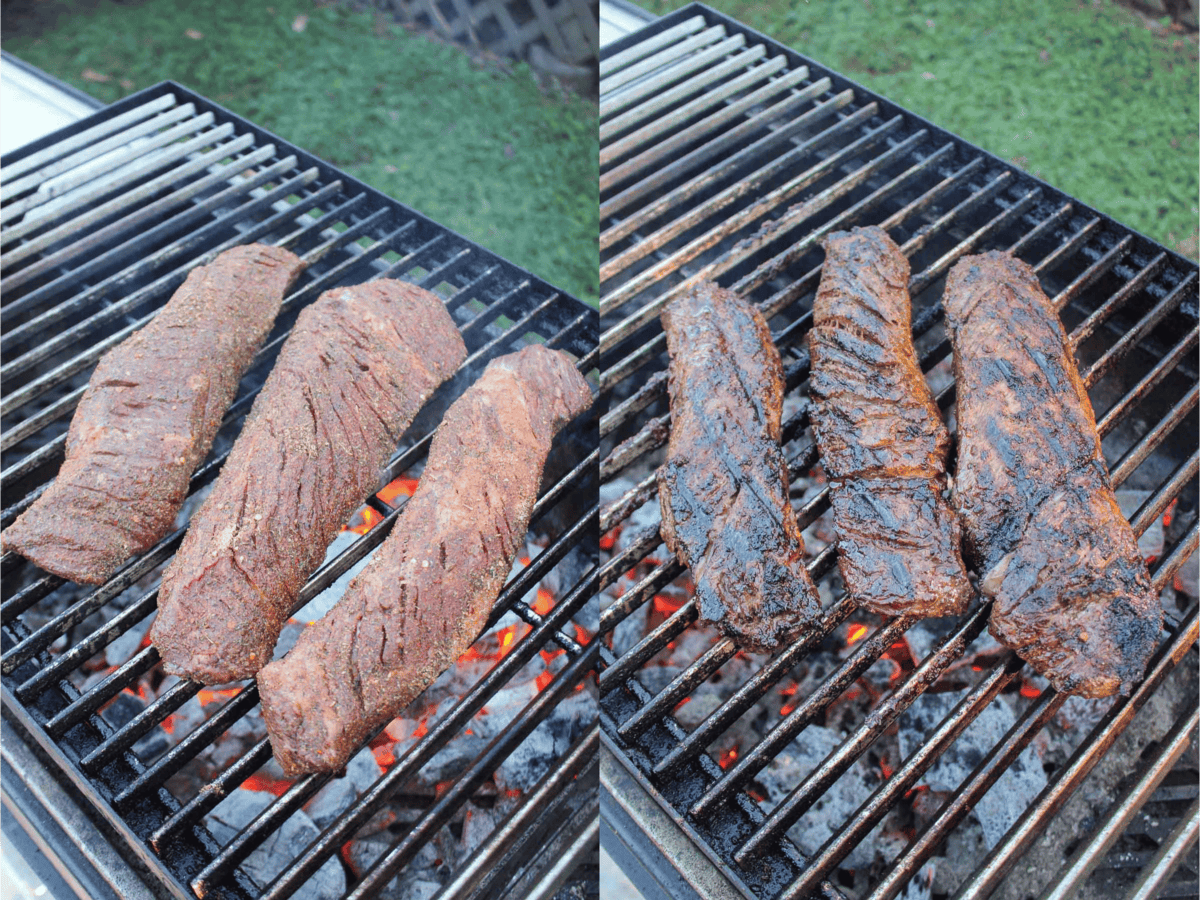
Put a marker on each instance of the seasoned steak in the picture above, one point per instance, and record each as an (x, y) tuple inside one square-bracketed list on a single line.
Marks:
[(1072, 594), (149, 416), (428, 591), (724, 487), (882, 441), (357, 367)]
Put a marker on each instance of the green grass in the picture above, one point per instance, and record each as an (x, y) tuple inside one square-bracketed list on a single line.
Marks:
[(1081, 94), (486, 152)]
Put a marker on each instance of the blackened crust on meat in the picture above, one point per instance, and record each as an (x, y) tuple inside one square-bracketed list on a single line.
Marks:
[(427, 593), (723, 490), (1072, 593), (881, 437), (149, 415), (358, 366)]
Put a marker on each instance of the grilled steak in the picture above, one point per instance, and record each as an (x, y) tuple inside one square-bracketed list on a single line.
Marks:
[(149, 416), (357, 367), (1072, 594), (882, 441), (724, 487), (427, 593)]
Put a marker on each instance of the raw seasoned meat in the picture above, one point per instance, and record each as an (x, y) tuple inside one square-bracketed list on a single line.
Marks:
[(882, 441), (723, 490), (429, 589), (149, 416), (356, 369), (1071, 592)]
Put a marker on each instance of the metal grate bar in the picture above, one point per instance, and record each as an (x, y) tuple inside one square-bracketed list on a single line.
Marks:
[(86, 704), (1039, 712), (740, 188), (1114, 303), (612, 615), (867, 816), (140, 725), (644, 48), (71, 304), (1041, 229), (502, 745), (673, 61), (1137, 454), (330, 841), (742, 62), (1089, 275), (1068, 248), (62, 185), (87, 136), (1131, 338), (733, 138), (1134, 798), (777, 134), (122, 201), (1152, 883), (648, 646), (683, 683), (665, 122)]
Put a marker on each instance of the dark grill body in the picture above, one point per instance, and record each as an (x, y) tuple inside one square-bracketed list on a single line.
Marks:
[(881, 754), (85, 701)]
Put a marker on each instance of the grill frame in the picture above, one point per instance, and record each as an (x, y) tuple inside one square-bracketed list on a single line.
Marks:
[(498, 288), (631, 780)]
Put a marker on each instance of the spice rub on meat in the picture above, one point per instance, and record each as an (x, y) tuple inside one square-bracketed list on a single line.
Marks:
[(1072, 593), (428, 591), (358, 366), (149, 415), (882, 440), (724, 487)]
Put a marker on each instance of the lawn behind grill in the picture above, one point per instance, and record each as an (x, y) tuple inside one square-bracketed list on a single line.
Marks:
[(1080, 93), (487, 153)]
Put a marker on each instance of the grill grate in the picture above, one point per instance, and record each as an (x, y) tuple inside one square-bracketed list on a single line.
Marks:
[(123, 204), (726, 156)]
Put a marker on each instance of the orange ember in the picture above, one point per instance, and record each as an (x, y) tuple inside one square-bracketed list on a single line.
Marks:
[(363, 521), (212, 695), (168, 724), (666, 605), (543, 680), (544, 602), (856, 633), (401, 487), (886, 769), (607, 542), (260, 782), (1169, 513), (384, 756), (728, 758), (582, 634), (1028, 690)]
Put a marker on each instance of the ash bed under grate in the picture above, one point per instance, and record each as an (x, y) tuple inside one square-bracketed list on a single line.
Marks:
[(881, 756), (486, 784)]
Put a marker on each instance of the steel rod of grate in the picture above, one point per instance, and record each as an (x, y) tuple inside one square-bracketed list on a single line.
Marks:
[(63, 182), (669, 64), (1138, 453), (657, 344), (881, 801), (465, 785), (742, 187), (1085, 860), (720, 96), (1131, 338), (616, 612), (1161, 867), (642, 49), (635, 551), (1068, 248), (778, 133), (742, 63), (669, 629), (734, 139), (622, 508), (1064, 781), (87, 136), (761, 207), (1118, 300), (136, 728), (123, 201), (1089, 275), (331, 841), (69, 304), (124, 676), (580, 757), (1041, 229), (28, 596), (156, 289)]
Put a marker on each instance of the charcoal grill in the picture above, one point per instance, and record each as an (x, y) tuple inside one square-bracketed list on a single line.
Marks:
[(727, 156), (101, 222)]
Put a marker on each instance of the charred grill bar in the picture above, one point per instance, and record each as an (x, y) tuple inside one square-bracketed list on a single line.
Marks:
[(727, 156), (123, 204)]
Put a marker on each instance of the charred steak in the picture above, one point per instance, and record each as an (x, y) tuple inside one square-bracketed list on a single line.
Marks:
[(882, 441), (724, 487), (357, 367), (1072, 594), (149, 415), (427, 593)]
